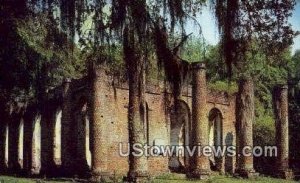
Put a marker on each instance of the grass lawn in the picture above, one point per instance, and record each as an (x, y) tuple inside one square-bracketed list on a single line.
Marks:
[(169, 178), (4, 179)]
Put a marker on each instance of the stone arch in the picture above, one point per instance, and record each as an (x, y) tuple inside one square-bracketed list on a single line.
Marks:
[(215, 137), (82, 121), (180, 135)]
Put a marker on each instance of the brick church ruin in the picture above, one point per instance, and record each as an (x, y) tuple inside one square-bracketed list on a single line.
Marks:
[(78, 130)]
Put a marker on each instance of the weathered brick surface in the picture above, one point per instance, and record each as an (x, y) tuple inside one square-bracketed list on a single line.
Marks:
[(106, 107), (116, 103), (280, 101), (245, 118), (67, 129), (2, 146), (13, 146), (200, 164)]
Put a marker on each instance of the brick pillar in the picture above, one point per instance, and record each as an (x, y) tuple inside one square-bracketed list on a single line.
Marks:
[(280, 102), (99, 144), (67, 140), (4, 146), (245, 119), (46, 139), (201, 165), (13, 142), (2, 133)]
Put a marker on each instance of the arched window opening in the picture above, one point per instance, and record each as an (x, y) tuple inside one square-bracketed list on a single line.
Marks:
[(179, 136), (57, 138), (215, 138), (21, 143), (36, 145)]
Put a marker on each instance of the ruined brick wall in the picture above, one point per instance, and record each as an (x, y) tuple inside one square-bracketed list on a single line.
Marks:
[(159, 102), (115, 122)]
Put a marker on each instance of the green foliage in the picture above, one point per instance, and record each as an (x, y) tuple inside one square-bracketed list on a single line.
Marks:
[(294, 108), (242, 22), (35, 57), (52, 47), (111, 56), (229, 87), (294, 66), (264, 126), (194, 49)]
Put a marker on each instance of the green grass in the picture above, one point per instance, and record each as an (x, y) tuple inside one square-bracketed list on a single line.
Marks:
[(7, 179), (167, 178), (172, 178)]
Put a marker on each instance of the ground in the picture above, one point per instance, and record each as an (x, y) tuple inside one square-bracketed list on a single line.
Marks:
[(170, 178)]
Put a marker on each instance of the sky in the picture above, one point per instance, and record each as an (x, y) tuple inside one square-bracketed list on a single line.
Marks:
[(295, 21), (210, 30)]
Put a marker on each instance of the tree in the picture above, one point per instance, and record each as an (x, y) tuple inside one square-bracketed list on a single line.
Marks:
[(139, 25), (35, 55), (133, 24), (242, 22), (294, 108)]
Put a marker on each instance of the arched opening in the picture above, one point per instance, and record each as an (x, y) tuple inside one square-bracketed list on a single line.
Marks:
[(57, 138), (179, 136), (21, 143), (6, 145), (215, 138), (36, 145)]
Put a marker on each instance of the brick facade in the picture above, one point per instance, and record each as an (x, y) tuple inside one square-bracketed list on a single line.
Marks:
[(95, 148)]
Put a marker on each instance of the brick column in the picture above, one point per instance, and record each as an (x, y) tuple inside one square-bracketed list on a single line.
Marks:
[(245, 119), (99, 144), (13, 142), (2, 133), (280, 102), (201, 165), (67, 139), (4, 146)]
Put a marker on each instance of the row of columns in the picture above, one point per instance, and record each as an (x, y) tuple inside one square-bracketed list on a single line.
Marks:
[(245, 118), (38, 143), (20, 146), (200, 167)]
